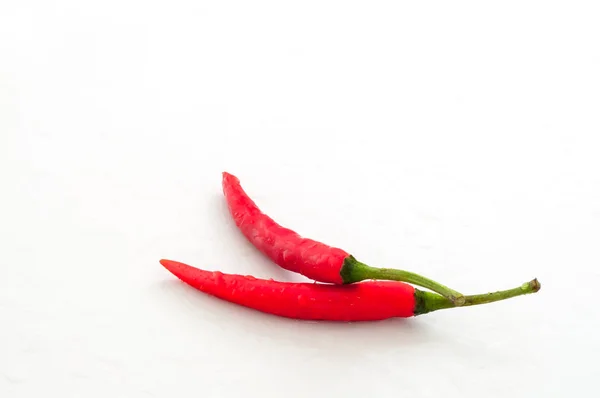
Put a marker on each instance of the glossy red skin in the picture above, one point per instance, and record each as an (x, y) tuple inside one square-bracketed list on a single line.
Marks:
[(365, 301), (283, 246)]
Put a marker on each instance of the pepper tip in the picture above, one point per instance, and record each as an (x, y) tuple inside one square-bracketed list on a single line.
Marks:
[(229, 176), (165, 263)]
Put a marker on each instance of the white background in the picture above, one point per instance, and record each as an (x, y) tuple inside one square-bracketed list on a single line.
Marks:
[(456, 139)]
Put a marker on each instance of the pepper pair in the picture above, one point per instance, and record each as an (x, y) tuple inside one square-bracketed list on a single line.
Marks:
[(385, 292)]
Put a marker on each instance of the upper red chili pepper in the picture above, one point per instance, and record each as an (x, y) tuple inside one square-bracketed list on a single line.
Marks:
[(308, 257), (367, 301)]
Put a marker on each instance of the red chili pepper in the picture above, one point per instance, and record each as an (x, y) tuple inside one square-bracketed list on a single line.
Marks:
[(366, 301), (308, 257)]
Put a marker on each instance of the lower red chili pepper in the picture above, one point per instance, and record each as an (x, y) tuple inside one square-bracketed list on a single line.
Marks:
[(308, 257), (366, 301)]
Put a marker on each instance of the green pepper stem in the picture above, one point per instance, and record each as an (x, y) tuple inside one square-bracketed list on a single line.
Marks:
[(355, 271), (428, 302)]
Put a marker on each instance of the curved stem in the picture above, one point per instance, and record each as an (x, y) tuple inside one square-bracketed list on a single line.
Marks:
[(355, 271), (428, 302)]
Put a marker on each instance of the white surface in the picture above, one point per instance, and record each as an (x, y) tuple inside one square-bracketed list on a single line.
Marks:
[(455, 139)]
